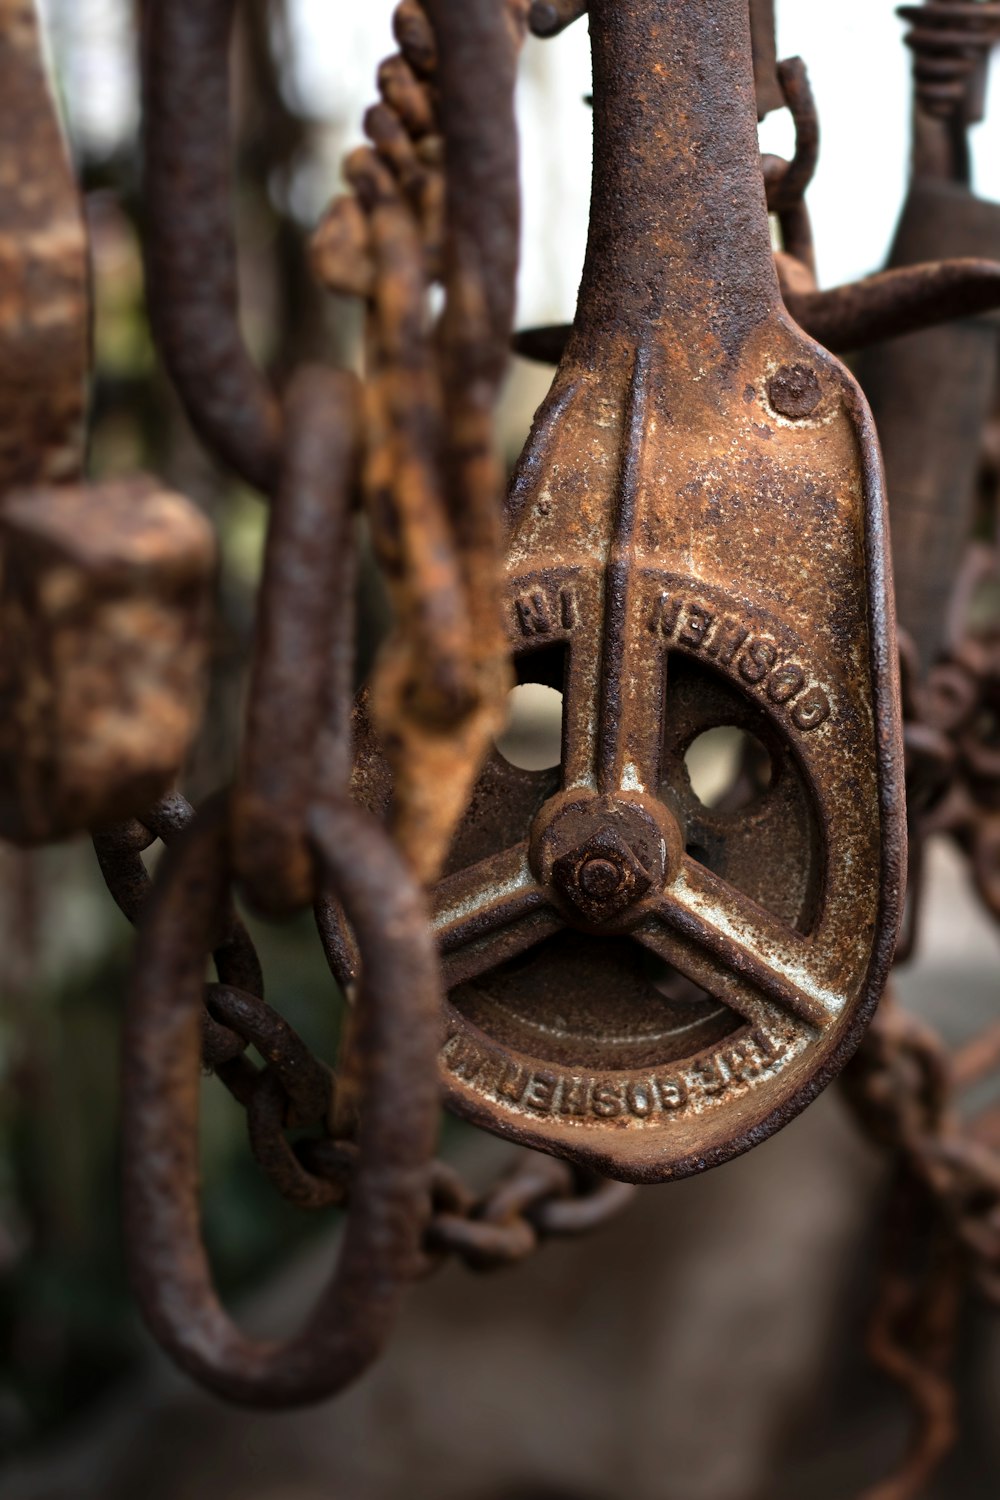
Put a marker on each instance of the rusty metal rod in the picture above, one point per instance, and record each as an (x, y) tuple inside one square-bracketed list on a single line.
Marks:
[(189, 241)]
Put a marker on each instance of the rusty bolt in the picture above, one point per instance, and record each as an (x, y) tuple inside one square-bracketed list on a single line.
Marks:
[(601, 878)]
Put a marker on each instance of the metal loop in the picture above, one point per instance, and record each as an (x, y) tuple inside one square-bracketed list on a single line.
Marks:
[(297, 742), (190, 247), (579, 1214), (274, 1153), (787, 181), (549, 17), (534, 1179), (119, 853), (307, 1084), (483, 1246), (399, 1036)]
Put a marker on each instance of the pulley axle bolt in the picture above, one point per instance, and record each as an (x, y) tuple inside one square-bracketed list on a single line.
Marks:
[(600, 878)]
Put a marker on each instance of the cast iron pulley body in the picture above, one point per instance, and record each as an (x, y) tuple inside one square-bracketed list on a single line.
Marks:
[(697, 539)]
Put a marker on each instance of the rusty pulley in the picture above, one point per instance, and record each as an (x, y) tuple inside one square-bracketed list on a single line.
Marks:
[(696, 540)]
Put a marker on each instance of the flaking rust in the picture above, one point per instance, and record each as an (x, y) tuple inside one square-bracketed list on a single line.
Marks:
[(696, 539), (103, 588), (44, 301), (105, 603)]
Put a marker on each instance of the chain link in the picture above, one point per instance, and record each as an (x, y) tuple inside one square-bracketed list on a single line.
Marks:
[(537, 1200), (910, 1091)]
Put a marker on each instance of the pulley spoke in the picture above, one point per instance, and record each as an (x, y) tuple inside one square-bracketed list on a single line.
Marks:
[(755, 950), (491, 911)]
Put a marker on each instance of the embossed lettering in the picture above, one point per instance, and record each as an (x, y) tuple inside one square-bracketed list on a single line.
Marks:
[(512, 1082), (738, 1062), (726, 641), (711, 1074), (766, 1046), (606, 1101), (786, 682), (568, 613), (696, 626), (666, 613), (541, 1092), (575, 1097), (463, 1058), (533, 614), (758, 660), (672, 1092), (639, 1098), (812, 710)]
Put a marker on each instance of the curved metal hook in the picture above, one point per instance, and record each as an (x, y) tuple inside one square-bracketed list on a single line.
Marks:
[(190, 247), (398, 1036)]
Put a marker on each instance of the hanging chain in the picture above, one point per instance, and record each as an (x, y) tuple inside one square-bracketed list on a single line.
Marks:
[(434, 205), (435, 200)]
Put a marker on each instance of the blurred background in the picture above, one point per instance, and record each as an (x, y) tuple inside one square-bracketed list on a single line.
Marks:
[(707, 1346)]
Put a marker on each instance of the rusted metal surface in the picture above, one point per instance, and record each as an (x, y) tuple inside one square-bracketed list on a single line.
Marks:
[(295, 748), (432, 480), (640, 981), (104, 608), (770, 94), (44, 297), (104, 590), (162, 1065), (932, 393), (692, 450), (190, 246), (550, 17)]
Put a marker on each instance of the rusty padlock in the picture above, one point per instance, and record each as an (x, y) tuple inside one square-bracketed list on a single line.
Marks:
[(697, 539), (104, 589)]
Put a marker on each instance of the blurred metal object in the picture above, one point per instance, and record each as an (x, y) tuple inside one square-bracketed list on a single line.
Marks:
[(747, 588), (44, 291), (932, 393), (549, 17), (104, 589), (287, 831), (437, 200), (105, 603), (295, 750), (643, 980), (770, 94), (951, 42), (943, 1220), (163, 1044), (190, 246)]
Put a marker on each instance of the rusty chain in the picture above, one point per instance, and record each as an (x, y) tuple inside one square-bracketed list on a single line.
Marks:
[(538, 1199), (417, 444), (434, 202), (909, 1089)]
